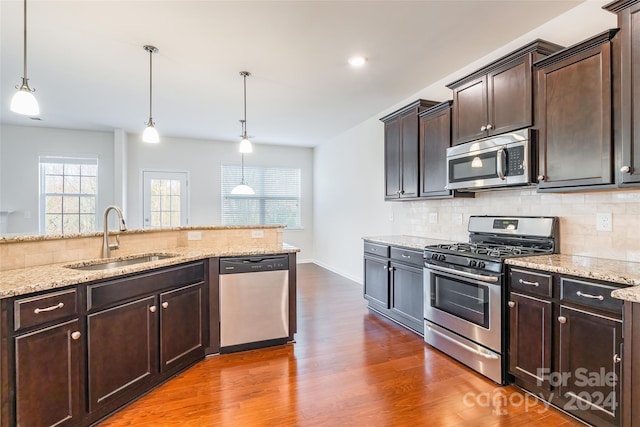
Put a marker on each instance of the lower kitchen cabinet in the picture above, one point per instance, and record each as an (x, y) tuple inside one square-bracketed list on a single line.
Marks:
[(48, 364), (566, 343), (393, 284), (122, 350)]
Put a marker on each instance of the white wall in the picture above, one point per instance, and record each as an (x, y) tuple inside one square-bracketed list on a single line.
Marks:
[(349, 169), (19, 183), (202, 159)]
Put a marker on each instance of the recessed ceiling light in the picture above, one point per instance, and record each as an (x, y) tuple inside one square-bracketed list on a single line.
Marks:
[(357, 61)]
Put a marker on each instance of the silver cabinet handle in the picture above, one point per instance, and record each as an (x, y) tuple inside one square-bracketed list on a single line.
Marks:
[(401, 191), (526, 282), (152, 309), (384, 266), (53, 307), (392, 268), (562, 319), (406, 256), (625, 169), (76, 335), (489, 126), (511, 304), (616, 358), (541, 178), (165, 304), (598, 297), (483, 128)]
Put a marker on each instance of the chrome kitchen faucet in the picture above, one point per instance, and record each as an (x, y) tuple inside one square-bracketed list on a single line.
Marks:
[(106, 246)]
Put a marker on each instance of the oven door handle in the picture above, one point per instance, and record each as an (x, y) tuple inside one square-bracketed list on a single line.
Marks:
[(500, 163), (485, 354), (481, 277)]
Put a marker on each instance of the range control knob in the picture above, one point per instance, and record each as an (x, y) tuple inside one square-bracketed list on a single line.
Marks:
[(472, 263), (481, 264), (434, 256), (441, 257)]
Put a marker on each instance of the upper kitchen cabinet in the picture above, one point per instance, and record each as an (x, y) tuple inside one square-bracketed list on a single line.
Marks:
[(498, 97), (401, 150), (626, 90), (575, 147)]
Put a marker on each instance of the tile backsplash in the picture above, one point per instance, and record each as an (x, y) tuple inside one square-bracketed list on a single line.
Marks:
[(577, 213)]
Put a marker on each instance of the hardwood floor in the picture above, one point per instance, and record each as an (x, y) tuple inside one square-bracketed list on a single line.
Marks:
[(347, 367)]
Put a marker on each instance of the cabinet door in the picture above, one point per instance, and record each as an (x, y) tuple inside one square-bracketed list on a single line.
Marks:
[(530, 339), (392, 159), (435, 138), (510, 90), (407, 301), (629, 104), (122, 350), (48, 387), (575, 140), (376, 282), (181, 326), (470, 111), (590, 347), (409, 129)]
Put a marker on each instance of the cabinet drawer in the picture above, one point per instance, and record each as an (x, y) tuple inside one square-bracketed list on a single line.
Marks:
[(376, 249), (591, 294), (531, 282), (408, 256), (32, 311)]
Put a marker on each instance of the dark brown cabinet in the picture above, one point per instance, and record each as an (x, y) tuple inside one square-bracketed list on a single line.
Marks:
[(566, 343), (499, 97), (393, 284), (401, 151), (574, 116), (181, 326), (626, 94), (48, 363)]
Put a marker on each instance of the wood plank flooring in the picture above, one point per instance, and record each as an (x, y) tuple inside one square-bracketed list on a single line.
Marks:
[(348, 367)]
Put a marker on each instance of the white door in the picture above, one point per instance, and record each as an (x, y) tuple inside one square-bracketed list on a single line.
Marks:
[(165, 199)]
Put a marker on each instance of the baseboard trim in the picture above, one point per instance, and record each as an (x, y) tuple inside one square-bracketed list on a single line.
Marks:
[(341, 273)]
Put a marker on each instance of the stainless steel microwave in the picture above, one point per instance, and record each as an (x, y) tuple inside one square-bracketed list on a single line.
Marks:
[(498, 161)]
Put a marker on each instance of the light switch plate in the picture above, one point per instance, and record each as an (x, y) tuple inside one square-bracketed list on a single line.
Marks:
[(604, 222), (257, 234), (194, 235), (433, 217)]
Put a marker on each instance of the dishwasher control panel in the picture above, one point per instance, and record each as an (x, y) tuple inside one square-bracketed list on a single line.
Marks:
[(245, 264)]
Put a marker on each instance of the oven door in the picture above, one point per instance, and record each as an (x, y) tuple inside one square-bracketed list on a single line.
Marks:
[(466, 303)]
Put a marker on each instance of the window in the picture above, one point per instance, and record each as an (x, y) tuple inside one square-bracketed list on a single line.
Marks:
[(68, 191), (165, 199), (277, 198)]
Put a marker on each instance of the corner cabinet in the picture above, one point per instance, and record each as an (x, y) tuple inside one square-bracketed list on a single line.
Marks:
[(393, 284), (566, 343), (401, 149), (575, 148), (499, 97), (626, 90)]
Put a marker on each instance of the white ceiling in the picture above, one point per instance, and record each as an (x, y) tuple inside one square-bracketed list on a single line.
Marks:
[(90, 71)]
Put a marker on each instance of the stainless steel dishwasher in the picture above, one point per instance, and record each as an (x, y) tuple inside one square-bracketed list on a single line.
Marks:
[(254, 302)]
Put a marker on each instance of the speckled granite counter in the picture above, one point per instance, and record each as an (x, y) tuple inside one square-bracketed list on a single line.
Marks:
[(623, 272), (409, 242), (23, 281)]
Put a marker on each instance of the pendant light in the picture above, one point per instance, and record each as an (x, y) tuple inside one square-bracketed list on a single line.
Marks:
[(150, 133), (23, 102), (243, 189), (245, 144)]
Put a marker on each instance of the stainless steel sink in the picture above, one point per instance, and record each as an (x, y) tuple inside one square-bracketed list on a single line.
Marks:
[(121, 262)]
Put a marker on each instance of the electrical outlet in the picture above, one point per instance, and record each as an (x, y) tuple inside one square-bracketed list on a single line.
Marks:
[(194, 235), (457, 219), (257, 234), (433, 218), (604, 222)]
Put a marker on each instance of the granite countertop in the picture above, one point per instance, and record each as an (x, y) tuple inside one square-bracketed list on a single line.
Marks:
[(622, 272), (23, 281), (410, 242)]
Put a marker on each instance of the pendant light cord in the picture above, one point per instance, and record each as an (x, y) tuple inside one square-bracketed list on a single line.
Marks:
[(242, 176), (245, 107), (150, 84), (25, 40)]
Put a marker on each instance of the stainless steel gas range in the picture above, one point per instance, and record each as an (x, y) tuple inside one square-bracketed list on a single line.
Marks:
[(465, 288)]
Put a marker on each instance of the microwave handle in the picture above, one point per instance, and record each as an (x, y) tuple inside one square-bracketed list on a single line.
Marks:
[(500, 163)]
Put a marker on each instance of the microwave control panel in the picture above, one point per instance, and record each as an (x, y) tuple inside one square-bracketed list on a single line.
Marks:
[(515, 161)]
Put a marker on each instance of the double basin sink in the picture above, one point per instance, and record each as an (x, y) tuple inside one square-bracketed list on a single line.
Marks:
[(119, 263)]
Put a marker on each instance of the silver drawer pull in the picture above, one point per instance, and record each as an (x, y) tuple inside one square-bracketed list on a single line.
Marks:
[(562, 319), (76, 335), (165, 304), (406, 256), (617, 359), (511, 304), (152, 309), (598, 297), (53, 307), (526, 282)]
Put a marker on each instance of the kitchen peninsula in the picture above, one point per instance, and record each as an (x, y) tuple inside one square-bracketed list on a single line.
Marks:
[(103, 336)]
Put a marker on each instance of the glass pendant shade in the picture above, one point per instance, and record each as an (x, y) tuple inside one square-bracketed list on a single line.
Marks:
[(151, 134), (245, 145), (243, 190), (23, 102)]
